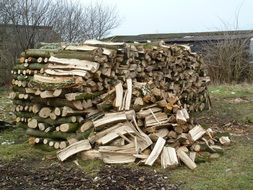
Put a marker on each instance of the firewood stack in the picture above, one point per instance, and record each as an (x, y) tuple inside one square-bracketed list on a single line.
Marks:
[(114, 101)]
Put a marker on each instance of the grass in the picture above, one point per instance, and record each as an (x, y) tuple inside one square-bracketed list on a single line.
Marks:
[(232, 171), (91, 167)]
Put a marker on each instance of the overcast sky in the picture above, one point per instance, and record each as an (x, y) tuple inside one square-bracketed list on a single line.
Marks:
[(165, 16)]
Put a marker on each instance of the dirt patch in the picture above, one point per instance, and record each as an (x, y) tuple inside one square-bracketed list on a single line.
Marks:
[(31, 174), (40, 175), (124, 178)]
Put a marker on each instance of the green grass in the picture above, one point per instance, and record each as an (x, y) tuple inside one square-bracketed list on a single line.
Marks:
[(231, 91), (91, 167), (233, 170), (14, 145)]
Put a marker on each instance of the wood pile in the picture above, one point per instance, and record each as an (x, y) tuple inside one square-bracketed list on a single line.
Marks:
[(114, 101)]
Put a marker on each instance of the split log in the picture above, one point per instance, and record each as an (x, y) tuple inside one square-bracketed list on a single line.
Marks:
[(128, 94), (196, 133), (117, 154), (73, 149), (91, 155), (82, 96), (119, 96), (118, 117), (169, 157), (186, 159), (224, 140), (87, 65), (182, 116), (156, 151), (113, 134)]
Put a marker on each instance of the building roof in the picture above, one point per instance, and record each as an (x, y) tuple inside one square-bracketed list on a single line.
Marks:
[(183, 37)]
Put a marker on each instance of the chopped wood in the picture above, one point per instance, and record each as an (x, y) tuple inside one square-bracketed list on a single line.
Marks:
[(182, 116), (60, 72), (186, 159), (192, 156), (117, 154), (110, 119), (89, 65), (145, 113), (119, 95), (68, 127), (86, 126), (45, 112), (196, 133), (91, 155), (73, 149), (124, 129), (156, 151), (169, 157), (127, 100), (128, 94), (224, 140)]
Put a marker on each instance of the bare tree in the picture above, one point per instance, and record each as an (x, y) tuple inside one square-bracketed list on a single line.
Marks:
[(85, 22), (31, 21), (228, 60), (71, 20), (100, 20), (26, 16)]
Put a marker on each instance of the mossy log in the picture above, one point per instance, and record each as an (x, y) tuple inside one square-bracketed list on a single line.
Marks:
[(52, 83), (74, 55), (51, 135), (56, 102), (38, 53), (82, 96), (22, 77), (24, 114), (34, 122), (69, 127), (32, 66), (21, 125)]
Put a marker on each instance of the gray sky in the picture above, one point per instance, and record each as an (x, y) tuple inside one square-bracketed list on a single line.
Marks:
[(165, 16)]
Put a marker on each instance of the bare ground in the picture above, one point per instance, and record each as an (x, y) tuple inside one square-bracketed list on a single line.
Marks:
[(36, 174)]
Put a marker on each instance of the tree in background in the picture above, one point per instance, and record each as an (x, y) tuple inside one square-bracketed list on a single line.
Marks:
[(27, 22), (93, 21), (73, 21)]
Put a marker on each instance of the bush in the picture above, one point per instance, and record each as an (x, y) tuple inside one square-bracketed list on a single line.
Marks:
[(228, 60)]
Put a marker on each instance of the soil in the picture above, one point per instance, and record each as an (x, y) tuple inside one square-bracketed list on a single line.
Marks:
[(40, 175)]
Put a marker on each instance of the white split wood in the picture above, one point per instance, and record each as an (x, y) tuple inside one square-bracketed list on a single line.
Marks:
[(124, 129), (59, 72), (89, 65), (73, 149), (186, 159), (129, 94), (224, 140), (182, 116), (196, 133), (110, 119), (119, 95), (156, 151), (169, 157)]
